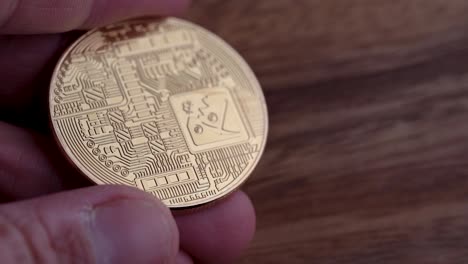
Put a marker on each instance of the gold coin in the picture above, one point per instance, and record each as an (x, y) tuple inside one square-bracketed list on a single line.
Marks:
[(162, 105)]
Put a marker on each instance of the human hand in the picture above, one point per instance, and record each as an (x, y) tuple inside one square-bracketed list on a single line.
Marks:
[(41, 220)]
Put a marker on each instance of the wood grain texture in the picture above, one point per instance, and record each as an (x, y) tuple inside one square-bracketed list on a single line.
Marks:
[(367, 160), (296, 42)]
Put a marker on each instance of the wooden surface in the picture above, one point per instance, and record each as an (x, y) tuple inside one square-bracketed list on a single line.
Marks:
[(367, 160)]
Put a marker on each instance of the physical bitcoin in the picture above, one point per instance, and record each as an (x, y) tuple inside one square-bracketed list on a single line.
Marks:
[(162, 105)]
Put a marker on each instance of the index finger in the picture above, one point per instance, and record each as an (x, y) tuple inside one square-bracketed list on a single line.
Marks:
[(54, 16), (218, 234)]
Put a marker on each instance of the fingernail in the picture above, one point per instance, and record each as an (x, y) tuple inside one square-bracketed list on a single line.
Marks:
[(133, 231)]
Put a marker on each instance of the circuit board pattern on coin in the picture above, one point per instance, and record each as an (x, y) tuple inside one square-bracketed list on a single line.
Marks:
[(161, 105)]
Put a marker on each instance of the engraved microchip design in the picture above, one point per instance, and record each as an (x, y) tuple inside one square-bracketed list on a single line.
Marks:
[(208, 117)]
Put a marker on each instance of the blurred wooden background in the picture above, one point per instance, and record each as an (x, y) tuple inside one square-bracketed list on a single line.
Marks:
[(367, 160)]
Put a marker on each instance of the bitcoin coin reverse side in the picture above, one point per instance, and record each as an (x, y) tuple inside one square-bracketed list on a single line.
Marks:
[(162, 105)]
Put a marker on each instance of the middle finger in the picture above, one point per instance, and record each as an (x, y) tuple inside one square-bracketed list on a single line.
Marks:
[(23, 59), (29, 165)]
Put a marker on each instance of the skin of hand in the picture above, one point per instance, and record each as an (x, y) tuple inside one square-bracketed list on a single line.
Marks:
[(49, 214)]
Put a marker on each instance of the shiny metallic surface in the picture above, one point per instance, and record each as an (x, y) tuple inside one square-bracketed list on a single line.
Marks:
[(162, 105)]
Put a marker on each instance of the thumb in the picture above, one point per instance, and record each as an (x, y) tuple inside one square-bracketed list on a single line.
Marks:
[(104, 224)]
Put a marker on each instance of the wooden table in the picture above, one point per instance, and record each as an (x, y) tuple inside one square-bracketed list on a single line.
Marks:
[(367, 160)]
